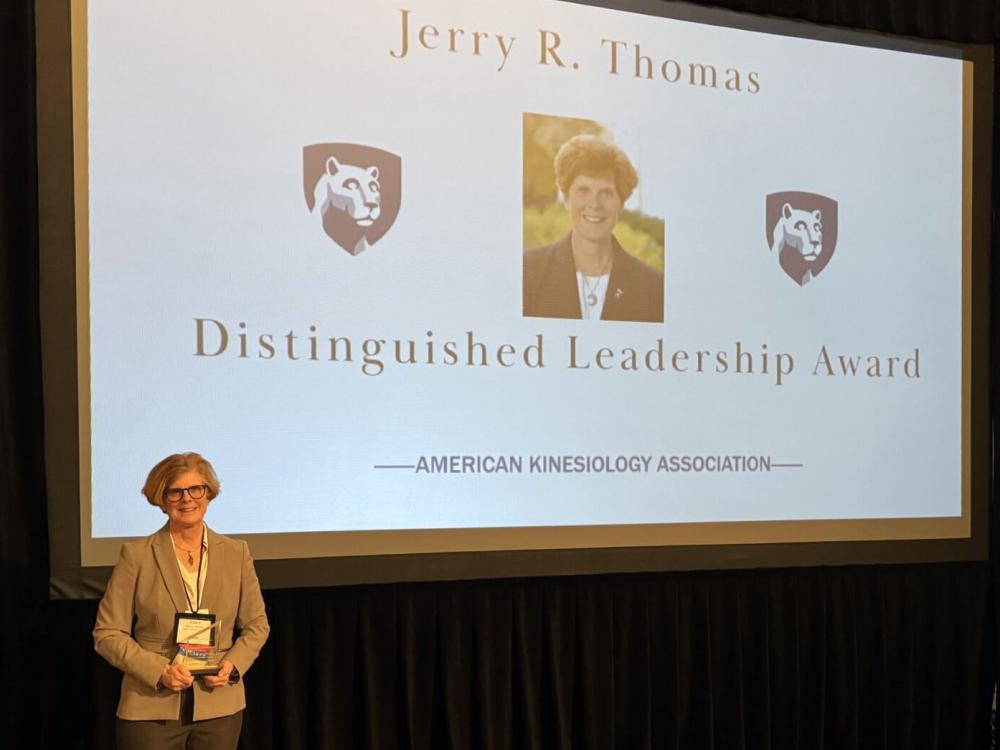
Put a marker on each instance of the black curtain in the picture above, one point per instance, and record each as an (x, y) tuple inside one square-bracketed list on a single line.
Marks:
[(884, 657)]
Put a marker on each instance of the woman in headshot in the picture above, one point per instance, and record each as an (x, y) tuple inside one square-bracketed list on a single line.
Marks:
[(587, 274), (185, 567)]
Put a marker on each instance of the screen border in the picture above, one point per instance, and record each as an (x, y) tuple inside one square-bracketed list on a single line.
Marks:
[(485, 553)]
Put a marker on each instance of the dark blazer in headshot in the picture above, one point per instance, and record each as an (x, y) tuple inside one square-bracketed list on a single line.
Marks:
[(550, 289)]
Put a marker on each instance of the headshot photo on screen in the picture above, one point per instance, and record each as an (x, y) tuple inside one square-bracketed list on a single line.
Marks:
[(585, 255)]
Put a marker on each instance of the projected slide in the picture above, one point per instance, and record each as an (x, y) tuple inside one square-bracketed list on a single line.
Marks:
[(525, 265)]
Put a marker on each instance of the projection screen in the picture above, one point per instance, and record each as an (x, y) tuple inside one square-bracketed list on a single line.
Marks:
[(452, 290)]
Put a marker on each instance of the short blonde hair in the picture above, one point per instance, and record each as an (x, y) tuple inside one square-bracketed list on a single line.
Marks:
[(593, 156), (171, 467)]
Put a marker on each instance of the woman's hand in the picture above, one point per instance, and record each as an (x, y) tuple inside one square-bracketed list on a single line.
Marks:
[(176, 677), (222, 678)]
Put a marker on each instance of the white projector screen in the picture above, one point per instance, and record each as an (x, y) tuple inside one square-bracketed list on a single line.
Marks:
[(323, 244)]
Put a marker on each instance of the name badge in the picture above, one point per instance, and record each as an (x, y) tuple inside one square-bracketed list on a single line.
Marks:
[(195, 628)]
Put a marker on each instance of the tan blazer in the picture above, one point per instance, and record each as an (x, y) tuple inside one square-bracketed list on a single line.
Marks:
[(135, 622)]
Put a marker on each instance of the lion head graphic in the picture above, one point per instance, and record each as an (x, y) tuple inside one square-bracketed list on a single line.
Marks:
[(802, 232), (354, 190)]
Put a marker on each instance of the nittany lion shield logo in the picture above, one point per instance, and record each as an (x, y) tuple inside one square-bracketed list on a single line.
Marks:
[(354, 191), (801, 231)]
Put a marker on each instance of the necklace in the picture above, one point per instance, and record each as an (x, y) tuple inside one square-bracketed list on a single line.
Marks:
[(189, 551), (190, 554), (590, 292)]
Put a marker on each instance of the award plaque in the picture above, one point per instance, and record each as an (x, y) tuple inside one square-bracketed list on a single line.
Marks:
[(194, 633)]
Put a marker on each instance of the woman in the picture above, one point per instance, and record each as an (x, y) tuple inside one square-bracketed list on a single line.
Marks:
[(588, 274), (182, 568)]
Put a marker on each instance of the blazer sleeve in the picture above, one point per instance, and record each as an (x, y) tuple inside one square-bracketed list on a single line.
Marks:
[(113, 631), (251, 619)]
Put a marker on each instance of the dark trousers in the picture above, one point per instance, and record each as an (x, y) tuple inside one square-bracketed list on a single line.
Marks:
[(181, 734)]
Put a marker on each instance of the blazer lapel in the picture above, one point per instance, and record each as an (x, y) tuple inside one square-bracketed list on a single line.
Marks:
[(617, 301), (163, 551), (216, 568), (562, 272)]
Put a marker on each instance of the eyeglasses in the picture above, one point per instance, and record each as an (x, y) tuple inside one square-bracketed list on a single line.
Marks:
[(174, 495)]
